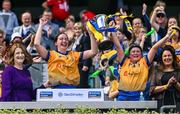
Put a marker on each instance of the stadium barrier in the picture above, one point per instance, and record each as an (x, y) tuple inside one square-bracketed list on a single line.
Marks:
[(75, 104)]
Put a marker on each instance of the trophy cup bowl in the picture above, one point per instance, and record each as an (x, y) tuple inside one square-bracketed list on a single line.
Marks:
[(99, 22)]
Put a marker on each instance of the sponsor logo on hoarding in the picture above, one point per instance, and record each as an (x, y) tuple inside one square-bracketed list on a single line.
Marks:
[(46, 94), (94, 94), (60, 94)]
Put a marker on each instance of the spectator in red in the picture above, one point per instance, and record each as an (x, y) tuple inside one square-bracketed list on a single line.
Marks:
[(86, 15), (59, 8)]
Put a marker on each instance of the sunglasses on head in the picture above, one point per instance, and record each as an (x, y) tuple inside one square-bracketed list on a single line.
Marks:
[(160, 15)]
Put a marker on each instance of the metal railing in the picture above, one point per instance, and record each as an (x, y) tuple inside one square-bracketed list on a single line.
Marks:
[(163, 108)]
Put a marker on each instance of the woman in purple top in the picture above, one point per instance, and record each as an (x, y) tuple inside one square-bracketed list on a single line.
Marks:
[(16, 80)]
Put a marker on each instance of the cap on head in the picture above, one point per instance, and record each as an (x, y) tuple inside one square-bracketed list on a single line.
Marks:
[(15, 35), (161, 13)]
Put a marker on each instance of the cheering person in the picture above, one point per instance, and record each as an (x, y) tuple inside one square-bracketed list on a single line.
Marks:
[(134, 68), (62, 64)]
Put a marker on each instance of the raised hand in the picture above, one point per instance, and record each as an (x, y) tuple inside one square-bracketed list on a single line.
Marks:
[(159, 8), (112, 24), (42, 21), (143, 37), (144, 9), (123, 12), (47, 84), (37, 59), (85, 68)]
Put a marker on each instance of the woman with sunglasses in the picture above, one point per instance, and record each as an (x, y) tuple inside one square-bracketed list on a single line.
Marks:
[(158, 21)]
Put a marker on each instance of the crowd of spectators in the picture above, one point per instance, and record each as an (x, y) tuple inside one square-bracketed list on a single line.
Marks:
[(64, 53)]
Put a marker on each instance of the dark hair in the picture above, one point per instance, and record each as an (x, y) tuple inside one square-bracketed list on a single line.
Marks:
[(136, 30), (133, 45), (55, 40), (172, 51), (71, 18), (174, 18), (26, 11), (6, 1)]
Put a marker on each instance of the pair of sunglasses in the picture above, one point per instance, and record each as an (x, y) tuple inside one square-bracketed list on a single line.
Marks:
[(160, 15)]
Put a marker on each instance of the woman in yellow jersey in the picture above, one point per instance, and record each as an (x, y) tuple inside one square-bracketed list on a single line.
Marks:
[(165, 84), (134, 68), (62, 64)]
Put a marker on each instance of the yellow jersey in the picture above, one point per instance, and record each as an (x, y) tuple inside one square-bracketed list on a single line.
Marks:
[(176, 47), (114, 86), (63, 69), (133, 77)]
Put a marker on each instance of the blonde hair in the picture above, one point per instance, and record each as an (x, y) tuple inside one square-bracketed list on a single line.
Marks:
[(79, 25), (136, 31), (28, 58)]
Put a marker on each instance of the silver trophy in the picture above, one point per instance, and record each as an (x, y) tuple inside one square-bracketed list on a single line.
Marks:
[(100, 24)]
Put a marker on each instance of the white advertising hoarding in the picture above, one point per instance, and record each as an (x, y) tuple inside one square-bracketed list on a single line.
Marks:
[(70, 95)]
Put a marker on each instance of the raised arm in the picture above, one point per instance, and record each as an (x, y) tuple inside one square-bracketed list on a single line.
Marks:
[(153, 18), (94, 48), (144, 6), (160, 43), (40, 49), (145, 17), (44, 5), (142, 41), (120, 51)]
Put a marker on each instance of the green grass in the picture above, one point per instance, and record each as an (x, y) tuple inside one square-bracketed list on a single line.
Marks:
[(79, 110)]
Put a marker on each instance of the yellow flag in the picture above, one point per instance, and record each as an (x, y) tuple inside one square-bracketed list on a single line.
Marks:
[(96, 33)]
